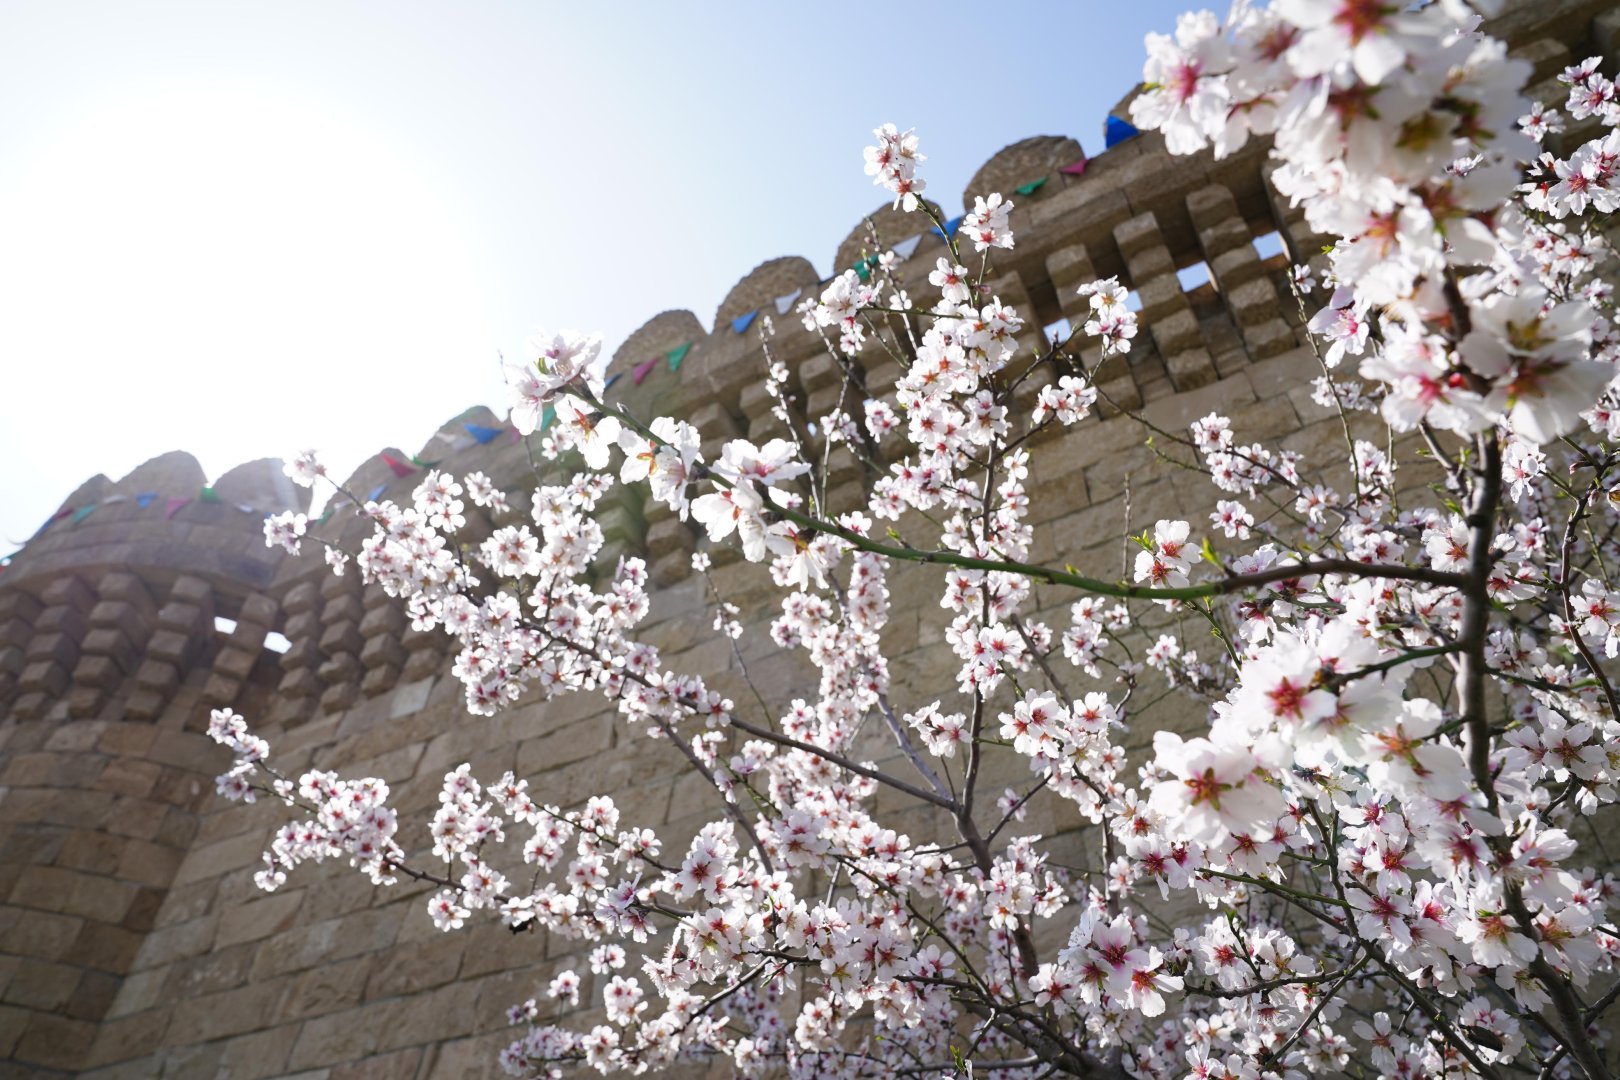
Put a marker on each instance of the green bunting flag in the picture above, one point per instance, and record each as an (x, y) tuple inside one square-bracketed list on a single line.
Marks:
[(324, 518), (420, 464), (864, 267), (207, 495), (547, 417), (1030, 188), (677, 354)]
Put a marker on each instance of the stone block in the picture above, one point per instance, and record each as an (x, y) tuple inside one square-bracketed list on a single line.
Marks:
[(45, 677), (68, 592), (179, 615)]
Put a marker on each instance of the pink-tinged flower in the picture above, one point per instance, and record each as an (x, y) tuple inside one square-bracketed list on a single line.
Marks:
[(1371, 36), (1211, 791), (893, 164), (560, 360), (1345, 324), (664, 461), (1402, 756), (285, 529), (1185, 98), (303, 470), (1535, 354), (986, 224)]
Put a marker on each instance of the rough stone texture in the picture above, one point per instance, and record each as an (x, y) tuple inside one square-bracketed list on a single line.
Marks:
[(132, 940)]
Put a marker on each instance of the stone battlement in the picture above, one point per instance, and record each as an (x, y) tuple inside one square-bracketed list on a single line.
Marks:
[(132, 941)]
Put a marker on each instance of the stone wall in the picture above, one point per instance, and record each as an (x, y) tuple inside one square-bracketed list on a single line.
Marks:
[(132, 940)]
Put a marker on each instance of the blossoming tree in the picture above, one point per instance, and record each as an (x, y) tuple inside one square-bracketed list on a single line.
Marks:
[(1380, 841)]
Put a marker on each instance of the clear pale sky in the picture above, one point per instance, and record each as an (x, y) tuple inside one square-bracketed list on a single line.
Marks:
[(247, 229)]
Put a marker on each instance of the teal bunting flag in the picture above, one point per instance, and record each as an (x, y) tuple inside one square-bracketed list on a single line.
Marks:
[(677, 354), (82, 512), (1030, 188)]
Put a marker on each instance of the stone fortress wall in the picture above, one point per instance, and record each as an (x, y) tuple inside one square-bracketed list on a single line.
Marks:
[(132, 940)]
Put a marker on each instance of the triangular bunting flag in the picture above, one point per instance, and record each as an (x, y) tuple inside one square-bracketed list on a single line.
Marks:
[(54, 518), (549, 417), (784, 304), (113, 500), (642, 370), (908, 247), (742, 322), (325, 517), (399, 468), (950, 227), (175, 504), (145, 499), (1030, 188), (1076, 169), (207, 495), (677, 354), (613, 378), (481, 433), (1116, 131), (420, 464), (82, 512), (376, 493)]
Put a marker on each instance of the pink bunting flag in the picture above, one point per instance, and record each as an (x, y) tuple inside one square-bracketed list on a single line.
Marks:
[(1076, 169), (643, 370), (175, 504), (401, 469)]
